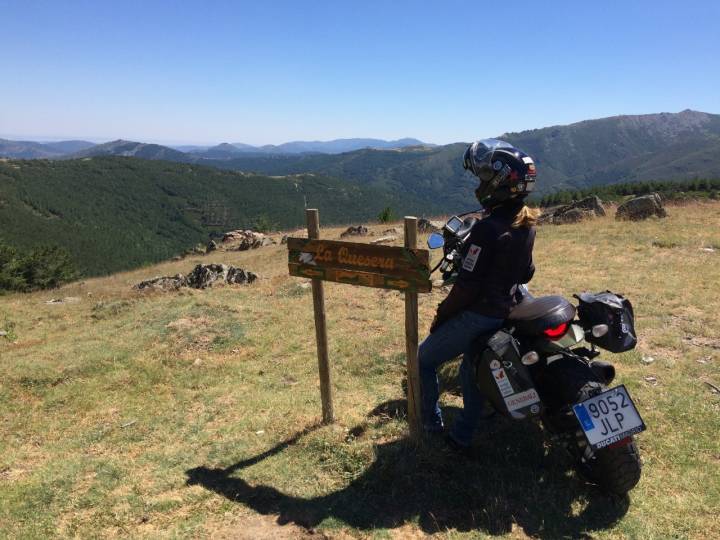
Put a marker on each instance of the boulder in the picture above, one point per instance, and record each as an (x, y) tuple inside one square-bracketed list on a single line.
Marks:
[(573, 215), (641, 208), (360, 230), (283, 240), (426, 226), (201, 277), (211, 246), (204, 275), (592, 203), (246, 239), (586, 208)]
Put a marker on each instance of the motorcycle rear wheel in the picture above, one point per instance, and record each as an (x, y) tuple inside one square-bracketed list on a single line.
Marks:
[(615, 470)]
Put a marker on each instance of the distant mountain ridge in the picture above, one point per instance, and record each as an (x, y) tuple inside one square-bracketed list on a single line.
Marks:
[(124, 148), (662, 146), (37, 150)]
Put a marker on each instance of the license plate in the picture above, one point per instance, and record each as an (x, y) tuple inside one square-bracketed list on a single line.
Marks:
[(608, 417)]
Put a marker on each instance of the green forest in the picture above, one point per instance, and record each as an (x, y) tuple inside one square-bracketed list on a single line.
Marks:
[(116, 213), (92, 216)]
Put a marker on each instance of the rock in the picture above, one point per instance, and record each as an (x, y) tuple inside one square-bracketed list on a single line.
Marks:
[(204, 275), (201, 277), (66, 300), (592, 203), (647, 360), (246, 239), (3, 333), (586, 208), (426, 226), (391, 230), (283, 240), (211, 246), (384, 240), (574, 215), (165, 283), (360, 230), (641, 208), (707, 250)]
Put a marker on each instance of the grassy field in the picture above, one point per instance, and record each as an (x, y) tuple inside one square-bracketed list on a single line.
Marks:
[(195, 413)]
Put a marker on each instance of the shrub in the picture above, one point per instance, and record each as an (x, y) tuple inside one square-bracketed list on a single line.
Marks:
[(386, 215)]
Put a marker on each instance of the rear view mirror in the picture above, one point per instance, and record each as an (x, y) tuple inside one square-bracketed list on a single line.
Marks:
[(435, 240)]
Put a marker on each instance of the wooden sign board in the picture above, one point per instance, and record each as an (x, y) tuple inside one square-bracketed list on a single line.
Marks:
[(385, 267), (404, 269)]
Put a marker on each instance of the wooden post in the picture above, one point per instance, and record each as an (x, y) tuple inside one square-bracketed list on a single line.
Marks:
[(411, 343), (318, 291)]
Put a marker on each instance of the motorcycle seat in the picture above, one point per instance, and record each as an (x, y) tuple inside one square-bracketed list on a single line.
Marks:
[(533, 315)]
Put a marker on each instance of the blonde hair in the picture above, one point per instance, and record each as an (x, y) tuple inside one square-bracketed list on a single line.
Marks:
[(526, 217)]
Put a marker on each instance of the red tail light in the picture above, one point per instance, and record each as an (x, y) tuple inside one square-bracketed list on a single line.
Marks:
[(556, 332)]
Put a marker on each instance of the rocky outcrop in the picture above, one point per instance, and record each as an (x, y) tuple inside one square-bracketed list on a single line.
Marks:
[(211, 246), (164, 283), (246, 239), (201, 277), (360, 230), (204, 275), (587, 208), (641, 208)]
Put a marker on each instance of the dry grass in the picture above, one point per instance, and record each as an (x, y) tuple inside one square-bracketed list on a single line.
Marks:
[(165, 414)]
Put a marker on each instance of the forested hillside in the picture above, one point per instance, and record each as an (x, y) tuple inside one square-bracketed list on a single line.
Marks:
[(115, 213)]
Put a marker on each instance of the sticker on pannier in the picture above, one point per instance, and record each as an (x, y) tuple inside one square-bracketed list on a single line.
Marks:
[(503, 379)]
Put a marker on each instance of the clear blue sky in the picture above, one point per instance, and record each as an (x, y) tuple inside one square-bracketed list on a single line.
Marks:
[(269, 72)]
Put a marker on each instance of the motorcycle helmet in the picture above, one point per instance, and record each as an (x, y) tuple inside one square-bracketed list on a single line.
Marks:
[(505, 173)]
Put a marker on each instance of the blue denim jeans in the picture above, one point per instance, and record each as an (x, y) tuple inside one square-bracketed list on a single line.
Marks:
[(452, 338)]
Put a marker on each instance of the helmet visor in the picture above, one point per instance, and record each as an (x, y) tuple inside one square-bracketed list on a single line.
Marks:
[(478, 158)]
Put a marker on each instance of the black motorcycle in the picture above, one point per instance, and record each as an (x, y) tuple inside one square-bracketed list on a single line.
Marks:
[(539, 366)]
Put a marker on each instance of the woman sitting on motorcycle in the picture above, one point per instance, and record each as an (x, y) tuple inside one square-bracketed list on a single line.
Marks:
[(497, 257)]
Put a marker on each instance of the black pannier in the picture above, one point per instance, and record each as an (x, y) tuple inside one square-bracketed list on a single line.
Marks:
[(613, 310), (503, 379)]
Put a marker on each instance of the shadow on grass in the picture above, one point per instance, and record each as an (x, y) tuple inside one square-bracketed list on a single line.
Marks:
[(512, 480)]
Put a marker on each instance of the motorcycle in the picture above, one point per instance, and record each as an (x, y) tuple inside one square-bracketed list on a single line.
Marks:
[(539, 367)]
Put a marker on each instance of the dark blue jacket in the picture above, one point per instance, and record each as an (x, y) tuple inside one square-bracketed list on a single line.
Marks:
[(496, 258)]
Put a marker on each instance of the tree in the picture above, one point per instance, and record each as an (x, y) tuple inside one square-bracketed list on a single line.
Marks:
[(41, 268)]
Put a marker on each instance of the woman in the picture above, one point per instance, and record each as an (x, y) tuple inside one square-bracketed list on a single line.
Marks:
[(497, 257)]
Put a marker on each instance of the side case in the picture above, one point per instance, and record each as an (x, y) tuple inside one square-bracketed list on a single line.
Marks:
[(504, 380)]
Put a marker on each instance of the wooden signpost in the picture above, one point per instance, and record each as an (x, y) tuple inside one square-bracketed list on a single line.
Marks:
[(404, 269)]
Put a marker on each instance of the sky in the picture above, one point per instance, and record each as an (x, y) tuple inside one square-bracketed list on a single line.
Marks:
[(267, 72)]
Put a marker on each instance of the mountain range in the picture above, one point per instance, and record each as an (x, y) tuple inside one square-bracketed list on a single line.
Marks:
[(659, 146), (121, 204), (50, 150)]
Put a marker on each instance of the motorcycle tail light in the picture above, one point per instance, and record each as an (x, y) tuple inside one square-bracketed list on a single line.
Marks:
[(556, 332)]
